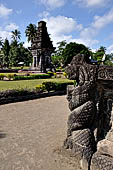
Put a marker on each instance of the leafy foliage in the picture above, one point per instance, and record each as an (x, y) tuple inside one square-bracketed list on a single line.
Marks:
[(16, 35), (109, 59), (19, 53), (6, 50), (73, 49), (40, 88), (65, 52), (30, 77), (98, 55), (56, 86), (30, 32), (2, 76), (57, 55)]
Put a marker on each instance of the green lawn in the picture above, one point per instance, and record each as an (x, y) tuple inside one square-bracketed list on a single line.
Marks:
[(5, 85)]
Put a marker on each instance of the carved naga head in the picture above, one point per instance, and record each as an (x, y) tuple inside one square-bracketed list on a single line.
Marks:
[(74, 69)]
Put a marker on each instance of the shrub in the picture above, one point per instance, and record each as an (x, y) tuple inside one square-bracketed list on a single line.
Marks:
[(58, 70), (34, 76), (74, 83), (55, 75), (51, 73), (61, 86), (49, 85), (14, 93), (22, 67), (40, 88), (63, 69), (65, 74), (10, 76), (27, 74), (2, 76)]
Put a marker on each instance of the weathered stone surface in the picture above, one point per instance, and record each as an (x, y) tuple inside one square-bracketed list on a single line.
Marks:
[(105, 73), (41, 49), (101, 162), (82, 117), (82, 144), (109, 136), (89, 122), (105, 147)]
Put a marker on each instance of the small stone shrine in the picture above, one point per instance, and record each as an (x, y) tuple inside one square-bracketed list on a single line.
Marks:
[(41, 49), (90, 133)]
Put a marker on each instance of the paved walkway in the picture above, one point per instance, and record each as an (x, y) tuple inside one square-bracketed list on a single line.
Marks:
[(32, 133)]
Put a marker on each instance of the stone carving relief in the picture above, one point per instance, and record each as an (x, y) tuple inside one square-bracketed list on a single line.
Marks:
[(90, 119)]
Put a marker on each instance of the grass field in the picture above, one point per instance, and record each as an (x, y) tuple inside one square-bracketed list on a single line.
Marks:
[(5, 85)]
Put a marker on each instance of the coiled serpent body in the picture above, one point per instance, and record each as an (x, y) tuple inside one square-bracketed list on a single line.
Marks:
[(83, 119)]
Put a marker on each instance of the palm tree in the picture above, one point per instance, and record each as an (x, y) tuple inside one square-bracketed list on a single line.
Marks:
[(30, 32), (16, 35)]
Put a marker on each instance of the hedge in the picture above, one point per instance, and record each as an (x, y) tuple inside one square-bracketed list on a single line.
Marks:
[(55, 86), (34, 76), (15, 93)]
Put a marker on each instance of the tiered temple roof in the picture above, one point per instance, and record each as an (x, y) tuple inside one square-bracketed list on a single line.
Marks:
[(42, 39), (41, 48)]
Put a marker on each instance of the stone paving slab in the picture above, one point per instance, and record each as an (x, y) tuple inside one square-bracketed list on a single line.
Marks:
[(32, 134)]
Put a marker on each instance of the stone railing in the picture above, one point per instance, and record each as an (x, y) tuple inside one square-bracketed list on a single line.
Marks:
[(89, 134)]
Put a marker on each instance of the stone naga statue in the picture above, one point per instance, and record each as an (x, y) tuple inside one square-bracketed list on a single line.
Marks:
[(90, 119)]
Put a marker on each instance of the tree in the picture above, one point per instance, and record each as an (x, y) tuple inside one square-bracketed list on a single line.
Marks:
[(14, 54), (30, 32), (99, 54), (109, 59), (6, 49), (16, 35), (57, 55), (1, 57), (73, 49), (1, 41), (25, 54), (18, 53), (102, 49)]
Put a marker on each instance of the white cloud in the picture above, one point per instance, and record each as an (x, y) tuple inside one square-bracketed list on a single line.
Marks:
[(110, 49), (92, 3), (102, 21), (11, 27), (44, 14), (88, 34), (89, 42), (52, 3), (19, 11), (59, 27), (27, 44), (5, 34), (4, 11)]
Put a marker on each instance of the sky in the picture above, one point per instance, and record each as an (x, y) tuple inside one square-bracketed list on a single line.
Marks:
[(89, 22)]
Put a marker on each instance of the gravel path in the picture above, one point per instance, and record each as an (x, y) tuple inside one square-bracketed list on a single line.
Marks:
[(32, 133)]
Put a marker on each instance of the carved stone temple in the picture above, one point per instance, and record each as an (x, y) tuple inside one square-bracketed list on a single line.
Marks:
[(90, 130), (41, 49)]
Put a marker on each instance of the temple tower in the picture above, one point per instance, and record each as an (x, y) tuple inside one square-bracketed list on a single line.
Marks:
[(41, 49)]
